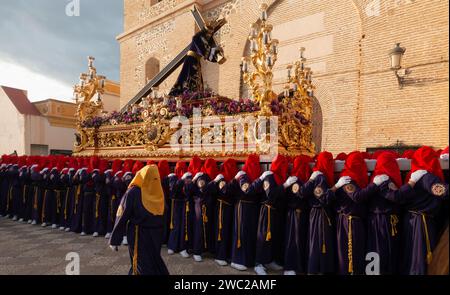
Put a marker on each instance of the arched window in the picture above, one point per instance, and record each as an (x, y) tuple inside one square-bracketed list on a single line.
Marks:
[(151, 68), (317, 121)]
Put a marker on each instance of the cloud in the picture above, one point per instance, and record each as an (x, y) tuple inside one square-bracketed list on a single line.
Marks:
[(40, 37), (39, 86)]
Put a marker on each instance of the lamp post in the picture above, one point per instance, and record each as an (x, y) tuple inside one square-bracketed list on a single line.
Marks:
[(395, 56)]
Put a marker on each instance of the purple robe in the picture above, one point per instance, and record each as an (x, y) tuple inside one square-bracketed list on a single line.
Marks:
[(27, 196), (37, 179), (269, 237), (180, 237), (101, 203), (67, 199), (383, 229), (4, 184), (144, 232), (419, 237), (351, 206), (15, 200), (89, 198), (117, 190), (200, 230), (245, 222), (321, 233), (52, 197), (296, 239), (223, 195), (77, 203)]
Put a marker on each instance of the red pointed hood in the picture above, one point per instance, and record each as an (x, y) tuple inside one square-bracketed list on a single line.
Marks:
[(127, 166), (163, 168), (387, 164), (103, 165), (180, 169), (356, 168), (280, 168), (210, 168), (301, 167), (252, 167), (325, 164), (425, 159), (445, 151), (116, 166), (341, 157), (138, 165), (229, 169), (408, 154), (195, 165)]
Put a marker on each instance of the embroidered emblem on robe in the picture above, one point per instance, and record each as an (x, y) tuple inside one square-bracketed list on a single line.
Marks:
[(318, 192), (349, 188), (222, 184), (438, 189), (119, 211), (295, 188), (201, 183), (266, 185), (392, 186), (244, 187)]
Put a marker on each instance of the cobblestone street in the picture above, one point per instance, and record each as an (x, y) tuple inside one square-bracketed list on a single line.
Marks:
[(33, 250)]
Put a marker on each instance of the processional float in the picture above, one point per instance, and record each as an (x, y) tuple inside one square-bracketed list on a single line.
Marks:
[(194, 121)]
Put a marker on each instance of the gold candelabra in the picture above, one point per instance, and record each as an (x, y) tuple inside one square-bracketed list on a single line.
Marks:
[(299, 81), (263, 56)]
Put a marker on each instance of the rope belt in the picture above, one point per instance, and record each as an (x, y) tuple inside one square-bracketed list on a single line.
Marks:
[(239, 225), (113, 198), (97, 204), (394, 221), (204, 222), (221, 202), (43, 205), (25, 187), (135, 251), (269, 233), (350, 240), (8, 200), (35, 203), (171, 214), (65, 204), (77, 195), (427, 237), (186, 236), (58, 200), (326, 219)]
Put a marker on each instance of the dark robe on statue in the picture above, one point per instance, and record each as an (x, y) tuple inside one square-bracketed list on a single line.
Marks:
[(77, 202), (296, 238), (383, 229), (351, 206), (180, 237), (101, 203), (190, 78), (322, 235), (269, 237), (245, 222), (143, 227), (419, 237)]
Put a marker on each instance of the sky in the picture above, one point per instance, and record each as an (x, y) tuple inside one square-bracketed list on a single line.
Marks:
[(44, 44)]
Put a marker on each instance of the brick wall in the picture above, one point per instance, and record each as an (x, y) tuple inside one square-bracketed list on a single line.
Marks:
[(347, 45)]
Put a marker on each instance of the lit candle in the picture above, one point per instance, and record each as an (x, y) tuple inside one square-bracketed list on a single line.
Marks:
[(289, 69), (253, 46), (295, 87), (275, 46), (254, 30), (244, 65), (102, 83), (179, 105), (269, 61), (286, 91), (266, 38), (263, 9)]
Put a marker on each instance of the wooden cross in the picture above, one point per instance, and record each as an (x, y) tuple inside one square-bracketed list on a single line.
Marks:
[(173, 64)]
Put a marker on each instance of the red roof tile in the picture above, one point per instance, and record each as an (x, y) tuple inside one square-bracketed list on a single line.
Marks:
[(20, 101)]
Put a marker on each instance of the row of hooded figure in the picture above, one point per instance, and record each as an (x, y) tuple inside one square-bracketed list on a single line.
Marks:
[(298, 220)]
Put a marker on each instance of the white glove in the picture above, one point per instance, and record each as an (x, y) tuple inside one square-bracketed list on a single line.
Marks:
[(186, 175), (379, 179), (315, 174), (343, 181), (416, 176), (239, 174), (114, 248), (197, 176), (265, 174), (444, 157), (219, 178), (290, 181)]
